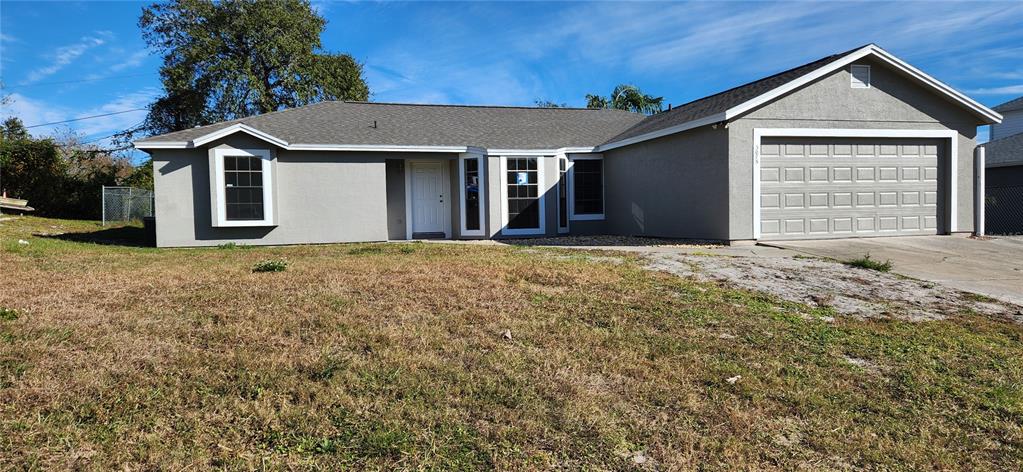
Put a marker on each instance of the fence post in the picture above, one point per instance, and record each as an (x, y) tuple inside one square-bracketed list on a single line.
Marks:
[(103, 198), (978, 191)]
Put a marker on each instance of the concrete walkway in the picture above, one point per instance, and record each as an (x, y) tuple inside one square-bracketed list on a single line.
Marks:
[(992, 267)]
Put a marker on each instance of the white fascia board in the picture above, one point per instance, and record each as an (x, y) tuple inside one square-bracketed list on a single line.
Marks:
[(662, 132), (879, 53), (537, 152), (235, 128), (374, 147), (161, 145)]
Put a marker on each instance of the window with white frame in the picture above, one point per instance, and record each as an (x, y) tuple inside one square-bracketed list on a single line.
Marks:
[(587, 188), (523, 193), (243, 187)]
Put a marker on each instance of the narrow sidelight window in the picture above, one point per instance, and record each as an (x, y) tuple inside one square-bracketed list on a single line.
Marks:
[(243, 192), (588, 187), (523, 193), (563, 194), (472, 194)]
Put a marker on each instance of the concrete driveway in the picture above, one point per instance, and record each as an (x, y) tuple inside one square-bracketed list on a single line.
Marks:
[(992, 267)]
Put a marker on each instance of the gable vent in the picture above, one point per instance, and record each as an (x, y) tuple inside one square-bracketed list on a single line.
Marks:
[(860, 76)]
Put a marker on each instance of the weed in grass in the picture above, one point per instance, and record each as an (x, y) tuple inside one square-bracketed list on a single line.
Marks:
[(866, 262), (8, 314), (271, 265), (976, 297), (232, 246), (407, 249), (361, 250)]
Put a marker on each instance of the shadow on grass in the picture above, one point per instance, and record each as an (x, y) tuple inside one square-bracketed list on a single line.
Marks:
[(130, 236)]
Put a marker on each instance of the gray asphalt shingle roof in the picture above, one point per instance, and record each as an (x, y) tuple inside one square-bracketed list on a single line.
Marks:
[(722, 101), (1011, 105), (1005, 151), (431, 125)]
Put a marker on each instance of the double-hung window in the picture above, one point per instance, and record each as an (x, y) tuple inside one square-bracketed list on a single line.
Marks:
[(522, 195), (587, 188), (243, 187)]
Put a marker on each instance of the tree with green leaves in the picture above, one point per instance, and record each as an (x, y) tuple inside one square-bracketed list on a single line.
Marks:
[(543, 103), (626, 97), (235, 58)]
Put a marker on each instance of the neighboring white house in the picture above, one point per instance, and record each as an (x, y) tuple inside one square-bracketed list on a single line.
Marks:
[(1003, 182)]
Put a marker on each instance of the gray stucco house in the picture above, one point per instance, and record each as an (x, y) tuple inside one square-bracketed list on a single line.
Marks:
[(1004, 172), (852, 145)]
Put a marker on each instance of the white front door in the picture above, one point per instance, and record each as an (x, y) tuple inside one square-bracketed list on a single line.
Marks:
[(429, 197)]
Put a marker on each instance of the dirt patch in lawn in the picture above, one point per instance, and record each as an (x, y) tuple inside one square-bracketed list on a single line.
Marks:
[(847, 290)]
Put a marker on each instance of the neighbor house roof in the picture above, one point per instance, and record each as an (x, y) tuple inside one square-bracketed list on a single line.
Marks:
[(1007, 151), (392, 124), (1011, 105), (453, 128)]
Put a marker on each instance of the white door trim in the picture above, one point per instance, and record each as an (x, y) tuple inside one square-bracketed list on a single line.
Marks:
[(481, 159), (446, 207), (951, 135), (541, 194)]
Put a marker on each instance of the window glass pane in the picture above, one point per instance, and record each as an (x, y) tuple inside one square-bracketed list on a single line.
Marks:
[(472, 194), (589, 186), (522, 190), (243, 179)]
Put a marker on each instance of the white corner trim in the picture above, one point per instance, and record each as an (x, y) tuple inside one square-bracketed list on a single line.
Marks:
[(407, 168), (481, 188), (220, 209), (541, 191), (572, 215), (953, 165), (563, 159)]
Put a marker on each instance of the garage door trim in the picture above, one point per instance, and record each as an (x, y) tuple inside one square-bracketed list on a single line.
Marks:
[(759, 133)]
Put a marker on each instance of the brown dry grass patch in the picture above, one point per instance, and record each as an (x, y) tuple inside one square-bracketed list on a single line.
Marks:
[(393, 356)]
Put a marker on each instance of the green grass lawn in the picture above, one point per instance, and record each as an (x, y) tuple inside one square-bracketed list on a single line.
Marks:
[(389, 356)]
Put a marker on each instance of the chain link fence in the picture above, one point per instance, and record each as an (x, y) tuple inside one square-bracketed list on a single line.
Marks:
[(126, 204), (1003, 210)]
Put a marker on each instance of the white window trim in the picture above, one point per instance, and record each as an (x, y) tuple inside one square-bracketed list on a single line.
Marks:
[(950, 135), (220, 210), (481, 171), (568, 218), (572, 215), (852, 76), (541, 191)]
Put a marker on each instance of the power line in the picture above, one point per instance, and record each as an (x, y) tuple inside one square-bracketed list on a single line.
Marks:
[(86, 117), (79, 80)]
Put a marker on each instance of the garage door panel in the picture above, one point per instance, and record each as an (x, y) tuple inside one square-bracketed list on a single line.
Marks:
[(848, 187)]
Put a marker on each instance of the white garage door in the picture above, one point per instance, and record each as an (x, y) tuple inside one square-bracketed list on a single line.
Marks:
[(839, 188)]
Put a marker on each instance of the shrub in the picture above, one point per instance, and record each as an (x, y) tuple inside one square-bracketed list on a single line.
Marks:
[(271, 265), (866, 262)]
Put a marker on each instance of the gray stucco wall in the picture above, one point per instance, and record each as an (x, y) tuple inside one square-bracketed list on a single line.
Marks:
[(321, 197), (892, 102), (675, 186)]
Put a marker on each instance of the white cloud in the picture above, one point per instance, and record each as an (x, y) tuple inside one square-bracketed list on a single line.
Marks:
[(1007, 90), (33, 111), (6, 38), (65, 55), (134, 60)]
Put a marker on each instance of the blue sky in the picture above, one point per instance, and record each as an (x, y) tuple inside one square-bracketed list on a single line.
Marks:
[(62, 60)]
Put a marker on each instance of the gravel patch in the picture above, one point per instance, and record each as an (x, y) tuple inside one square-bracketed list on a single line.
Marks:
[(848, 291)]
